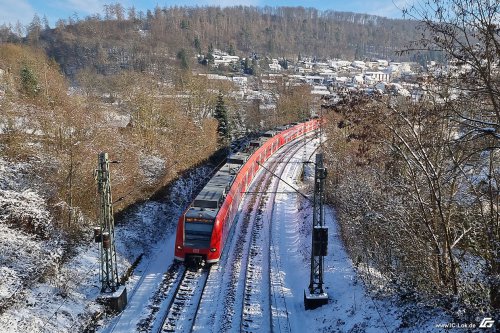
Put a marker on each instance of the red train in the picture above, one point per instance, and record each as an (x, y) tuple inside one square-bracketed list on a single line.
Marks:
[(203, 228)]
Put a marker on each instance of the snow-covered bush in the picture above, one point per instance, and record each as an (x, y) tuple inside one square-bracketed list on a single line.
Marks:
[(25, 210)]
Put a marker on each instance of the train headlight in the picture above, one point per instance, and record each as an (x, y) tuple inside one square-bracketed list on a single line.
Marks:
[(179, 247), (213, 249)]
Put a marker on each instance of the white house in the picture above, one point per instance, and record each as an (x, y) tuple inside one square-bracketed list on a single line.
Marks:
[(320, 90), (240, 80), (328, 74), (337, 64), (377, 76), (358, 79), (358, 64), (313, 79), (383, 63), (275, 66)]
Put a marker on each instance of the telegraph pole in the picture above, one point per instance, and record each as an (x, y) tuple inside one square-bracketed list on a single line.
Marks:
[(315, 296), (105, 235)]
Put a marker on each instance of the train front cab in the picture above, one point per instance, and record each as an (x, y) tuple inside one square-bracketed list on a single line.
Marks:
[(194, 235)]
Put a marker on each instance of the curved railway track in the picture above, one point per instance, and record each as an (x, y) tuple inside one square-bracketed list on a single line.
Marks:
[(260, 296), (230, 303), (232, 311), (279, 311), (244, 272)]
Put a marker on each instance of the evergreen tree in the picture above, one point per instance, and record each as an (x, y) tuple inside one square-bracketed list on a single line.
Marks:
[(197, 44), (284, 63), (231, 50), (183, 57), (184, 24), (248, 67), (29, 82), (209, 58), (220, 115)]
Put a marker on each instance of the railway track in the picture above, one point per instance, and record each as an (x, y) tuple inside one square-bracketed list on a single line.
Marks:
[(255, 303), (279, 311), (243, 272), (257, 313), (184, 302), (232, 310), (221, 304)]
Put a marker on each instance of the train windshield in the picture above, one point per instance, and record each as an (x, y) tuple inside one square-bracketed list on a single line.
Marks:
[(197, 234)]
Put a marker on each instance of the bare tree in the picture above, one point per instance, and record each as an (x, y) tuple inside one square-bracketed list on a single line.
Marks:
[(467, 33)]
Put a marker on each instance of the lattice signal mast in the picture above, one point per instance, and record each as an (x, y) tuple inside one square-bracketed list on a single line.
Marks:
[(315, 296), (105, 235)]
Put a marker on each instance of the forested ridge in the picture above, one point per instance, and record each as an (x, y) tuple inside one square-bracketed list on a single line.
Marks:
[(124, 38)]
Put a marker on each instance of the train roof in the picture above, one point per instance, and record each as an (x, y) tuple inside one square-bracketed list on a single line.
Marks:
[(269, 134), (214, 192), (229, 169), (259, 142), (238, 158), (222, 180), (210, 197), (201, 213)]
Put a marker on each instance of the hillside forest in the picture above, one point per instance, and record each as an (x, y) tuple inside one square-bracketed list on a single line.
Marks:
[(123, 38)]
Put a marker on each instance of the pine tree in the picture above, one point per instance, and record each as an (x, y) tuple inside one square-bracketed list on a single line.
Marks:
[(183, 57), (231, 50), (197, 44), (209, 57), (29, 82), (220, 115)]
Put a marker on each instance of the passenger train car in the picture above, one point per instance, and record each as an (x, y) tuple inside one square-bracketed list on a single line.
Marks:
[(203, 228)]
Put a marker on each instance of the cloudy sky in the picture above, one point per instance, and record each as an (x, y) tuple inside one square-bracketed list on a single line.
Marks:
[(23, 11)]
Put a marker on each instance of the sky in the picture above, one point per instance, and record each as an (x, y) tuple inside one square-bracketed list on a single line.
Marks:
[(12, 11)]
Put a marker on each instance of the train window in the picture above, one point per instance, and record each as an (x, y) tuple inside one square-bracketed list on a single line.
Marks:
[(197, 235)]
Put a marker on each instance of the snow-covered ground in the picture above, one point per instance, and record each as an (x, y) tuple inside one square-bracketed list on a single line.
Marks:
[(65, 302), (351, 308), (37, 292)]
